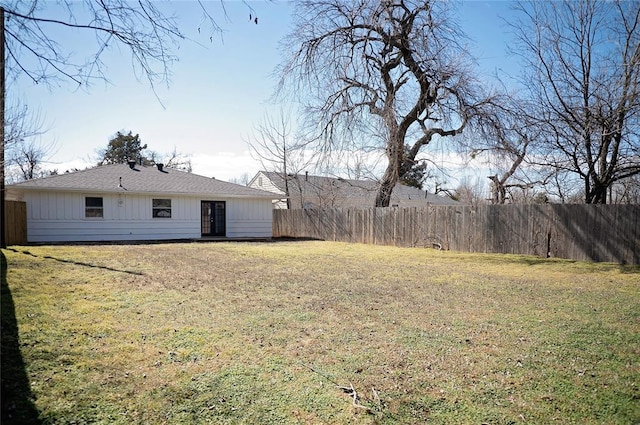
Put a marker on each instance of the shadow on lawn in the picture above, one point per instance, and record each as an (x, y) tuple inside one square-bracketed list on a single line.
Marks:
[(584, 265), (17, 399), (78, 263)]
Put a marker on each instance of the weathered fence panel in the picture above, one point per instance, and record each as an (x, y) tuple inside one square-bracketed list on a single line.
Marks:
[(15, 216), (579, 232)]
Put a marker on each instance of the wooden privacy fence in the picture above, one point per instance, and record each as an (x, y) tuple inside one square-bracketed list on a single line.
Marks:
[(15, 219), (580, 232)]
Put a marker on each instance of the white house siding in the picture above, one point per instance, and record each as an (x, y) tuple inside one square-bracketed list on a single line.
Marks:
[(262, 182), (59, 217), (249, 218)]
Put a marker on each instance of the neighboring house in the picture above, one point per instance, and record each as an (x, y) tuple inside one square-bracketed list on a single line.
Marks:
[(307, 191), (133, 202)]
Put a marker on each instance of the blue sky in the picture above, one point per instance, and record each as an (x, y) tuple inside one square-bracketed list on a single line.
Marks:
[(218, 90)]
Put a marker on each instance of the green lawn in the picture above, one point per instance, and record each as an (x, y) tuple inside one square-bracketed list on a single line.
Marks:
[(315, 332)]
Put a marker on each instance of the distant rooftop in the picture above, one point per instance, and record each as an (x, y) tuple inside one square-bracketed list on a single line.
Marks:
[(352, 192)]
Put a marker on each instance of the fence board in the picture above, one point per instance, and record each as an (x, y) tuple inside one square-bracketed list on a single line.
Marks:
[(579, 232), (15, 222)]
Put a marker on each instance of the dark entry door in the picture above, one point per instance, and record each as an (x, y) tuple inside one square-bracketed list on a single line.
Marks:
[(213, 218)]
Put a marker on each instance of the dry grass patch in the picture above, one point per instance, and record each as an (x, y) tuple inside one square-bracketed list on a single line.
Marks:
[(319, 332)]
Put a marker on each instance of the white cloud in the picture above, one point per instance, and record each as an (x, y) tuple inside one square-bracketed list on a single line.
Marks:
[(67, 166), (222, 166), (225, 165)]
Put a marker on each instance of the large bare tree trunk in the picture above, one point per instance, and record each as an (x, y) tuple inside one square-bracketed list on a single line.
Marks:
[(395, 72), (385, 188)]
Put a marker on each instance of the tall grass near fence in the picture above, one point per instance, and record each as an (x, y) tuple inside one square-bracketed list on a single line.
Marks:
[(609, 233)]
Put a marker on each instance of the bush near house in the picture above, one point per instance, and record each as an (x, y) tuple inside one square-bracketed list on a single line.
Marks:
[(315, 332)]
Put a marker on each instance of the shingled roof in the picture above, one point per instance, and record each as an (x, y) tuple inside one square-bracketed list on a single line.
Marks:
[(352, 193), (141, 179)]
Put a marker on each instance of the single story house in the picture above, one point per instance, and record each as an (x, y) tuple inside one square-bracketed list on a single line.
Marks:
[(127, 202), (308, 192)]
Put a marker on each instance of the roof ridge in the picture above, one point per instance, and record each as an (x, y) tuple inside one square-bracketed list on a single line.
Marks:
[(113, 178)]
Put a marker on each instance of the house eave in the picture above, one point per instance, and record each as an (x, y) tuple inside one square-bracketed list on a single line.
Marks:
[(124, 191)]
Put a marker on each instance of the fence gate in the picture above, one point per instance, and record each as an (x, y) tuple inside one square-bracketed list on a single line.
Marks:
[(15, 222)]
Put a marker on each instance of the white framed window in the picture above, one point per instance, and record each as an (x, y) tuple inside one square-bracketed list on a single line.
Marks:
[(161, 208), (93, 207)]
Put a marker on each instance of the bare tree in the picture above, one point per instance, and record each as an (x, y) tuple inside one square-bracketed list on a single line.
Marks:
[(173, 159), (25, 153), (470, 192), (508, 138), (359, 164), (177, 160), (583, 58), (21, 124), (626, 191), (27, 158), (395, 70), (243, 180), (274, 144), (145, 28)]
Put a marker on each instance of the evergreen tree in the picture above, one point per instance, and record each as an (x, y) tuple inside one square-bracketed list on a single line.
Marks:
[(122, 148)]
